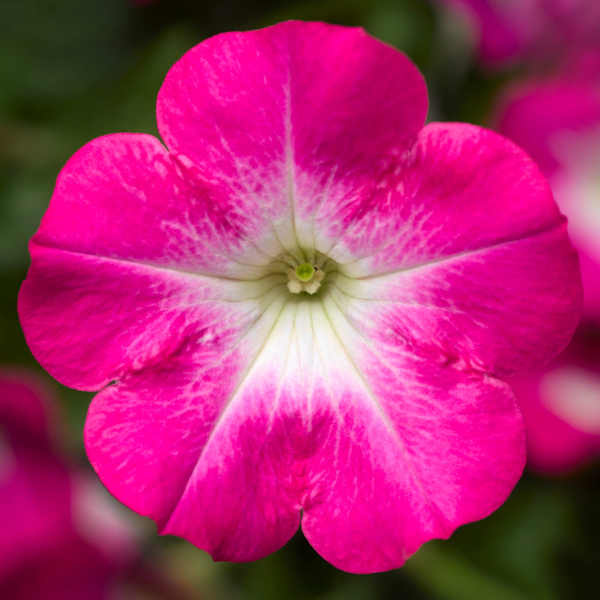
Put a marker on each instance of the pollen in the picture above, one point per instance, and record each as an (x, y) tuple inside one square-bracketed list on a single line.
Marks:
[(304, 278)]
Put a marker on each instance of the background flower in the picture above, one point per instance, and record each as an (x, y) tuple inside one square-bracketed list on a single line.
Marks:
[(561, 406), (557, 121), (61, 539), (64, 538), (540, 31)]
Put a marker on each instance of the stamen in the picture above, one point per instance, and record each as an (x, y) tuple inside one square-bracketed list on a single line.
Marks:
[(304, 278)]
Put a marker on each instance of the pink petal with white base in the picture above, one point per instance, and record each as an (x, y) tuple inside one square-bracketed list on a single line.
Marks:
[(359, 454), (289, 121), (474, 248)]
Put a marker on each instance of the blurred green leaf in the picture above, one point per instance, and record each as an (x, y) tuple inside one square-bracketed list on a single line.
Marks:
[(129, 103), (51, 50), (517, 550), (450, 576)]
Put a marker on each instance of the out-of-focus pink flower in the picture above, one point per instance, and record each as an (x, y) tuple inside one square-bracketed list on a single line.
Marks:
[(539, 30), (245, 391), (558, 123), (60, 540), (561, 406)]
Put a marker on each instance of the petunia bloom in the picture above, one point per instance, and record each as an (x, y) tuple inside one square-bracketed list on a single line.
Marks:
[(561, 406), (60, 539), (557, 121), (236, 401), (533, 30)]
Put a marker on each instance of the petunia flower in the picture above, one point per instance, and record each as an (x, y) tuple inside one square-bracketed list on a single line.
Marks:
[(557, 121), (536, 31), (60, 539), (234, 406), (561, 406)]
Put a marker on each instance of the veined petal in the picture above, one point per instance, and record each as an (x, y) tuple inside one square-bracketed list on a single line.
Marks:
[(129, 266), (145, 433), (419, 450), (105, 319), (456, 245), (290, 118), (121, 196), (319, 422), (454, 192), (475, 309)]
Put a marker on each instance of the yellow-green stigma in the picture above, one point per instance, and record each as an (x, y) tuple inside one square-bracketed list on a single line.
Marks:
[(305, 272), (304, 278)]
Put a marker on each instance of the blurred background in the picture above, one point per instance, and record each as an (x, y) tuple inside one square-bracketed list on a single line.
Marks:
[(72, 70)]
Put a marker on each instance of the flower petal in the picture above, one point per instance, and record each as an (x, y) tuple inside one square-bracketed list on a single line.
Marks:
[(121, 275), (476, 310), (454, 192), (472, 248), (421, 449), (144, 434), (284, 119), (121, 196), (381, 449), (92, 320)]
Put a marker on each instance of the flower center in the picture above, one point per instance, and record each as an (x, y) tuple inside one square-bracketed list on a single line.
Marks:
[(304, 278)]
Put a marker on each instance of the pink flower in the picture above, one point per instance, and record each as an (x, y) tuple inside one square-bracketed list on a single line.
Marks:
[(243, 392), (511, 30), (60, 541), (561, 406), (558, 123)]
